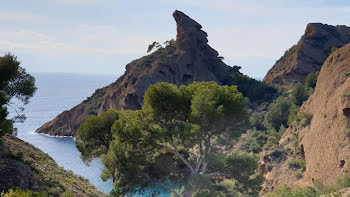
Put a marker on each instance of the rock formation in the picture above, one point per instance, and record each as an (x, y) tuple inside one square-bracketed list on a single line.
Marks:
[(26, 167), (324, 142), (187, 59), (309, 54)]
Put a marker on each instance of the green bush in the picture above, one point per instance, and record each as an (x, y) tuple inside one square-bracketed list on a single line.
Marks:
[(304, 119), (67, 194), (300, 94), (298, 174), (256, 120), (311, 79), (253, 89), (297, 164), (278, 113), (285, 191), (23, 193), (293, 114), (333, 49), (286, 54)]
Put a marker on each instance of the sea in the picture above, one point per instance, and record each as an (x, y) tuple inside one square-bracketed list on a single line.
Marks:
[(56, 93)]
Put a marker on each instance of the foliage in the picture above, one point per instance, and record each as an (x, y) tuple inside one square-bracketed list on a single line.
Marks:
[(23, 193), (300, 94), (284, 191), (67, 194), (304, 119), (333, 49), (95, 135), (278, 113), (311, 79), (256, 120), (288, 53), (297, 164), (255, 141), (293, 113), (14, 83), (178, 139), (255, 90)]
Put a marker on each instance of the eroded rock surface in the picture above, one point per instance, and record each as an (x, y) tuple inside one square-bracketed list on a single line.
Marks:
[(323, 143), (189, 58), (309, 54)]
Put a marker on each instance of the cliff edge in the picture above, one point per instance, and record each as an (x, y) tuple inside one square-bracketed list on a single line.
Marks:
[(187, 59), (308, 55)]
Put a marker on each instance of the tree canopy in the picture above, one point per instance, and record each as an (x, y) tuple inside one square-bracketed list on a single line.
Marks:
[(14, 83), (179, 141)]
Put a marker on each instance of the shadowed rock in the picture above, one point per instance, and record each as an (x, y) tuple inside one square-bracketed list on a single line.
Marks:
[(309, 54), (187, 59)]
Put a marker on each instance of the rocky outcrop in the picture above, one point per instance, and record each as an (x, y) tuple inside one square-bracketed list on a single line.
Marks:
[(324, 142), (26, 167), (187, 59), (309, 54)]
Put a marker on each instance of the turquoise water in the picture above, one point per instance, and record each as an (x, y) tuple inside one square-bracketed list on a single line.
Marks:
[(57, 93)]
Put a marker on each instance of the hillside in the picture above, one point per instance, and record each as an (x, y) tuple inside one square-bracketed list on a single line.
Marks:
[(321, 141), (309, 54), (189, 58), (26, 167)]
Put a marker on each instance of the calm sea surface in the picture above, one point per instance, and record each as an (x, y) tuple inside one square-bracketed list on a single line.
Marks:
[(56, 93)]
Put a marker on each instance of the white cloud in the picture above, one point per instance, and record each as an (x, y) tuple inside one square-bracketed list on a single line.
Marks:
[(19, 17)]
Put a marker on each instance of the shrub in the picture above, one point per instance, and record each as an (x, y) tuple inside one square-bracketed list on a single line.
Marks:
[(292, 114), (286, 54), (300, 94), (285, 191), (67, 194), (23, 193), (333, 49), (256, 120), (304, 119), (297, 164), (311, 79), (347, 132), (278, 113), (298, 174)]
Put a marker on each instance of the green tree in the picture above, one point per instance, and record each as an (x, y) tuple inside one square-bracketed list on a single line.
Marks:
[(278, 113), (95, 135), (311, 79), (300, 94), (177, 140), (14, 83)]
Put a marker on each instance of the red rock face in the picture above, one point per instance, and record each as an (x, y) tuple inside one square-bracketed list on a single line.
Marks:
[(309, 54), (325, 142), (189, 58)]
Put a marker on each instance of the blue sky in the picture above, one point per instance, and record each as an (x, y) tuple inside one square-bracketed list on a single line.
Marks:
[(102, 36)]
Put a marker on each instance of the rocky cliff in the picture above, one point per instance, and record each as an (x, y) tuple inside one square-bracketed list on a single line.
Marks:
[(189, 58), (26, 167), (308, 54), (323, 141)]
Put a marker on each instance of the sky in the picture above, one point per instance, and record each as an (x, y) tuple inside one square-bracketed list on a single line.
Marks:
[(102, 36)]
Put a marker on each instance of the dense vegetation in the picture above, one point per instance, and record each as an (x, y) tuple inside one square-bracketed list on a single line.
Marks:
[(14, 83), (255, 90), (269, 124), (318, 189), (181, 141)]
